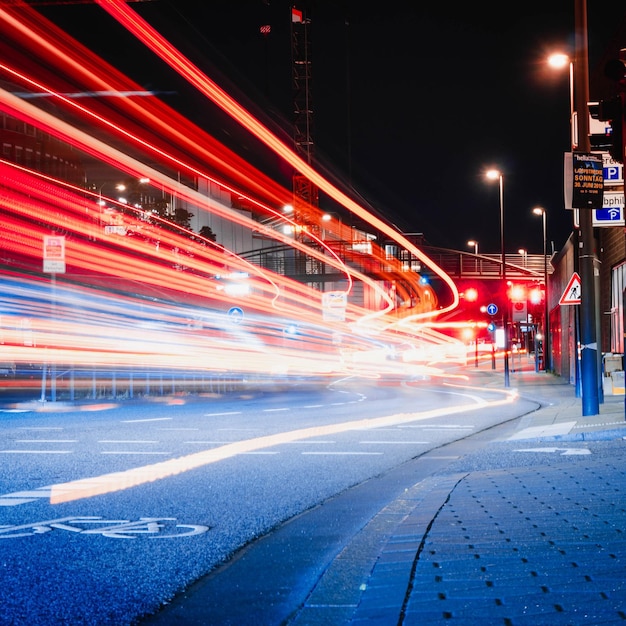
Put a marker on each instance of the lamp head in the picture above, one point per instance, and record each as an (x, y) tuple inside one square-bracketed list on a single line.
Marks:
[(558, 60)]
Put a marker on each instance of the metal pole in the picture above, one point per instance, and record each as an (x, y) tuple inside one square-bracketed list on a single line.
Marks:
[(588, 339), (476, 348), (547, 355), (505, 311)]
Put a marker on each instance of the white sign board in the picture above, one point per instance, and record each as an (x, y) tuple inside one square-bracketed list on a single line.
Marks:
[(54, 254), (334, 306)]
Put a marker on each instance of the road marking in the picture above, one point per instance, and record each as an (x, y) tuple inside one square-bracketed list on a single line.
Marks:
[(36, 451), (261, 452), (117, 481), (563, 451), (275, 410), (167, 430), (148, 419), (134, 452), (327, 452), (24, 497), (127, 441), (396, 442), (448, 427), (224, 413), (534, 432), (46, 441)]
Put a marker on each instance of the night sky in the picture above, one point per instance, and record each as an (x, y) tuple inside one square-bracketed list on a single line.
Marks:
[(412, 101)]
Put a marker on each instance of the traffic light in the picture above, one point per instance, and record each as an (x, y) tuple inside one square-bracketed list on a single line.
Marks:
[(471, 294), (612, 111), (517, 293)]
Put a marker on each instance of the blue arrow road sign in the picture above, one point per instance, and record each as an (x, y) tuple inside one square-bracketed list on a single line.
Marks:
[(492, 309), (235, 314)]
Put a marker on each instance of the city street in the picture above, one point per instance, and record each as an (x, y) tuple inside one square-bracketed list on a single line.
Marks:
[(109, 511)]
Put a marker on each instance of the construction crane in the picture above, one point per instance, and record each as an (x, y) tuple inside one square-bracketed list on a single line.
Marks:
[(305, 193)]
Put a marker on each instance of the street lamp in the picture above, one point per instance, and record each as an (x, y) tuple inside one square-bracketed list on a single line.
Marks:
[(524, 254), (547, 355), (558, 61), (471, 242), (497, 175), (588, 335)]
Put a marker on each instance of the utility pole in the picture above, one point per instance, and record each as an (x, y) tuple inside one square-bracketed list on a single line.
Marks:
[(588, 335)]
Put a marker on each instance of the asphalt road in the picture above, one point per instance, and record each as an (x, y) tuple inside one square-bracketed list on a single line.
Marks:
[(107, 513)]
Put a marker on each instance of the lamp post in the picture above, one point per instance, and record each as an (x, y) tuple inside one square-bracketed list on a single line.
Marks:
[(560, 60), (471, 242), (547, 351), (524, 254), (497, 175)]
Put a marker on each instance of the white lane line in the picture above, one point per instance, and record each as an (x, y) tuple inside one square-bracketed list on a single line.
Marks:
[(148, 419), (275, 410), (310, 441), (343, 453), (208, 443), (36, 451), (224, 413), (440, 426), (24, 497), (167, 430), (46, 441), (141, 452), (259, 452), (313, 406), (127, 441), (384, 443)]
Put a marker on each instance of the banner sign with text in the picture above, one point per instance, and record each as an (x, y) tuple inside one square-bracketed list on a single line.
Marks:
[(584, 180)]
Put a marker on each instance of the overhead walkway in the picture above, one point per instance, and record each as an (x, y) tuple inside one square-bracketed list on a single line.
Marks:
[(457, 264)]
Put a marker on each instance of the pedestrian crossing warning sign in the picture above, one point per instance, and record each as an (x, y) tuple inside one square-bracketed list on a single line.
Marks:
[(571, 295)]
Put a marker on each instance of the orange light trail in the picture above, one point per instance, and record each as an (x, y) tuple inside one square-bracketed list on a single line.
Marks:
[(161, 47)]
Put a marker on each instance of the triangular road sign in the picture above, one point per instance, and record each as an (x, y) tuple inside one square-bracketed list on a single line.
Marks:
[(571, 295)]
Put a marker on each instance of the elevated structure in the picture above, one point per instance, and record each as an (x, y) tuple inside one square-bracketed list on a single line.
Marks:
[(305, 193)]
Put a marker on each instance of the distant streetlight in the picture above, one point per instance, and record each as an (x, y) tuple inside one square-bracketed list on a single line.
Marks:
[(471, 242), (524, 254), (497, 175), (118, 186), (547, 357)]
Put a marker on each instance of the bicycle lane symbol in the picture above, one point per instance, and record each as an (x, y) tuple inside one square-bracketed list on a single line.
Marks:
[(115, 529)]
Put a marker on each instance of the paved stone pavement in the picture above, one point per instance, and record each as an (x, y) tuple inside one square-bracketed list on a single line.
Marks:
[(534, 534)]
